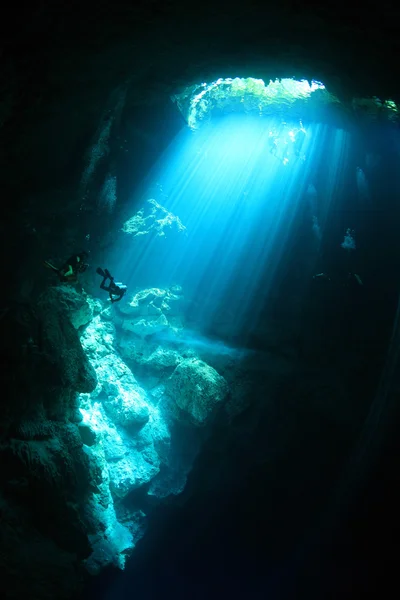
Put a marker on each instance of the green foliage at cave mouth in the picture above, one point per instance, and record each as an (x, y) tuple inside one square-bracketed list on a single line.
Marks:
[(249, 95)]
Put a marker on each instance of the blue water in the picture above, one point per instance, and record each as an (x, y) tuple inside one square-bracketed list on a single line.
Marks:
[(241, 201)]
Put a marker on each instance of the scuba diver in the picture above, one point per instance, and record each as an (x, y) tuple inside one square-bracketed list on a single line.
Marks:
[(321, 278), (69, 272), (116, 290), (352, 279)]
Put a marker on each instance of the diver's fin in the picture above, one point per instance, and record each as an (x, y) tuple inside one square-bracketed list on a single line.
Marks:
[(50, 266), (100, 271)]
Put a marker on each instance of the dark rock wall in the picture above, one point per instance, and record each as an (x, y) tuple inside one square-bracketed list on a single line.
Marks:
[(46, 474)]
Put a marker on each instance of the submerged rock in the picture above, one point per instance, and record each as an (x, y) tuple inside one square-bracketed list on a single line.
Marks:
[(145, 327), (153, 219), (123, 399), (118, 438), (124, 427), (147, 356), (79, 307), (123, 440), (131, 460), (152, 311), (154, 302), (196, 388)]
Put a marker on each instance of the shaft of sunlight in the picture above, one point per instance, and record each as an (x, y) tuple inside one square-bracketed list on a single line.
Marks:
[(238, 186)]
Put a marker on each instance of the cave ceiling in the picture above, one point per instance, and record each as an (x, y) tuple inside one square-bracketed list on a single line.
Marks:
[(60, 63)]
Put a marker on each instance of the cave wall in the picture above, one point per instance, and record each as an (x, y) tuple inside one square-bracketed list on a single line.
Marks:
[(62, 64)]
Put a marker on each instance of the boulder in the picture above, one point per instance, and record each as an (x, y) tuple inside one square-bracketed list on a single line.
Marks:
[(196, 388), (149, 356), (131, 472)]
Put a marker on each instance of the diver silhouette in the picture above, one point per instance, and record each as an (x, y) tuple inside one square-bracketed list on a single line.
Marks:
[(116, 290), (72, 267)]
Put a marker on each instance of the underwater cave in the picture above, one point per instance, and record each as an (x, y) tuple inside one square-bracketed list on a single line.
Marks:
[(200, 321)]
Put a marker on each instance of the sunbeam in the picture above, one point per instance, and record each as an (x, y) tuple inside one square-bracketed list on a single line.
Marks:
[(239, 196)]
